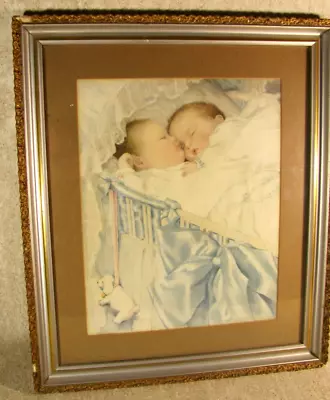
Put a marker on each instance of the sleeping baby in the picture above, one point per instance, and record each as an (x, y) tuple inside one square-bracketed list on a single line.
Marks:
[(193, 124), (149, 146), (241, 156), (153, 162), (205, 133)]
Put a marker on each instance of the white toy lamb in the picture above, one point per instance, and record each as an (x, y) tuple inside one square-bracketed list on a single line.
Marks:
[(117, 299)]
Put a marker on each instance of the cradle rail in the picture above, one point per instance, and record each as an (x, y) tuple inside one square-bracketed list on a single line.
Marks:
[(187, 220)]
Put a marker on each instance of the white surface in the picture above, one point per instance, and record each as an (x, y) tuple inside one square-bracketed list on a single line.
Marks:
[(15, 363)]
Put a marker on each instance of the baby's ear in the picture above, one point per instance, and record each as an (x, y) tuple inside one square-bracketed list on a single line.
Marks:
[(219, 118)]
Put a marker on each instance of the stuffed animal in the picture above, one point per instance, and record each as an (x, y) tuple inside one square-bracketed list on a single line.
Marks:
[(117, 299)]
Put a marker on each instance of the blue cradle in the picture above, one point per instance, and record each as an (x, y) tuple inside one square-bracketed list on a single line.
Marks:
[(206, 278)]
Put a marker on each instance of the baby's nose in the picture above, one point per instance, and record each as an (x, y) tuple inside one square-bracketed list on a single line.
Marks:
[(191, 146), (193, 150), (191, 154)]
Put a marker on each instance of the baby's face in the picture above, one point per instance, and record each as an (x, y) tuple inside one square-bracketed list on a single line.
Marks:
[(193, 130), (158, 149)]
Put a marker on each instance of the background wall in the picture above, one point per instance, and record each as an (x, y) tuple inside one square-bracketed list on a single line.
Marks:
[(15, 362)]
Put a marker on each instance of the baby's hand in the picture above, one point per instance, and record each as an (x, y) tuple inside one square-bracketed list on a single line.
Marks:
[(125, 161), (189, 168)]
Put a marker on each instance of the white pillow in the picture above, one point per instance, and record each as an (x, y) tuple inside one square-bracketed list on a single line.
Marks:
[(205, 90)]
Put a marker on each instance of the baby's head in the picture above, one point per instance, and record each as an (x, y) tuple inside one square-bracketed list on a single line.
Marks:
[(192, 125), (151, 146)]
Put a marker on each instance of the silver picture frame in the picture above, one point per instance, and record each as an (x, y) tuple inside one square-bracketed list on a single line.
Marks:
[(31, 33)]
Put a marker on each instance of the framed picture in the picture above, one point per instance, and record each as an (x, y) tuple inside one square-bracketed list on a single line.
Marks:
[(173, 174)]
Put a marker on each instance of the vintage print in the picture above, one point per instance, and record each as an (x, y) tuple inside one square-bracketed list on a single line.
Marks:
[(180, 189)]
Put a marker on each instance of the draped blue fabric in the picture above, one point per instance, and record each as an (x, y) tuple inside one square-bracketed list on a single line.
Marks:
[(211, 278)]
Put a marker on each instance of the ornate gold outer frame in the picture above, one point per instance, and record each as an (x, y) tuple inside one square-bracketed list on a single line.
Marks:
[(30, 32)]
